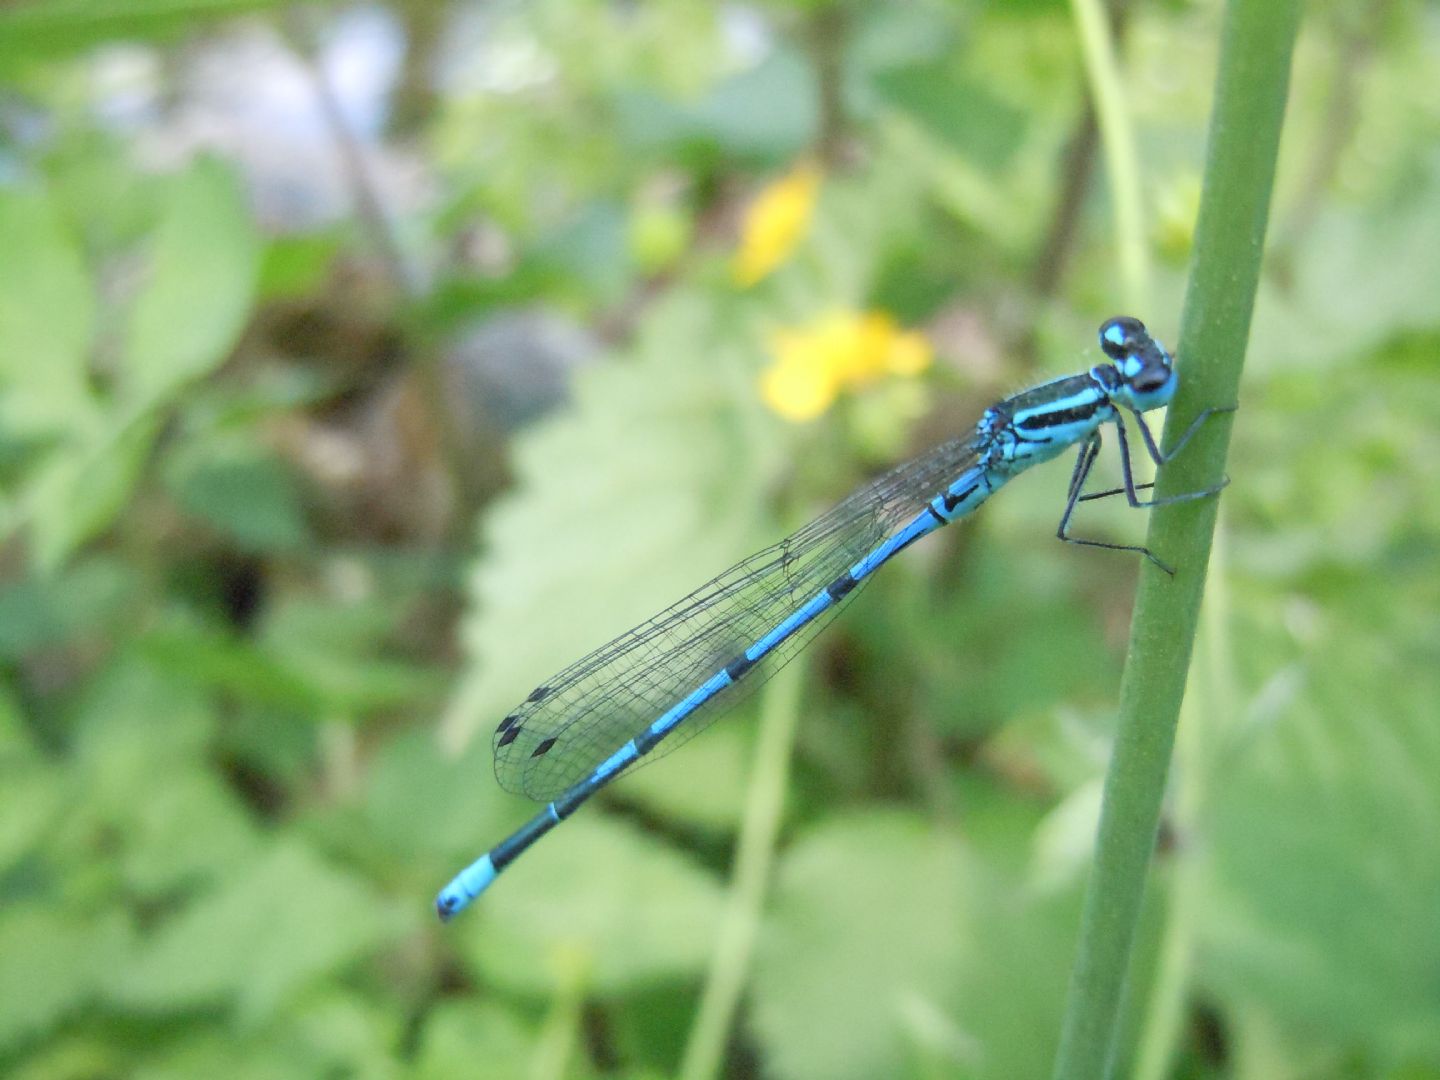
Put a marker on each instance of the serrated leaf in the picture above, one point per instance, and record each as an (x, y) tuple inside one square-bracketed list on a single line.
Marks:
[(591, 543), (623, 908), (46, 319), (203, 265)]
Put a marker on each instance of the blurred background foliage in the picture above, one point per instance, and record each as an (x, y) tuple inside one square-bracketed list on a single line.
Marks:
[(361, 365)]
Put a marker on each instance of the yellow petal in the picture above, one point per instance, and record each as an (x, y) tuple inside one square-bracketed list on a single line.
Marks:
[(776, 222), (798, 392), (908, 354)]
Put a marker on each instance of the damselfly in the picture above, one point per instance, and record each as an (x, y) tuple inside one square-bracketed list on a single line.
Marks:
[(670, 676)]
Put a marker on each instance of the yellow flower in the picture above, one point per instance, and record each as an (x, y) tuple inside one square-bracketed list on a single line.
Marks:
[(776, 221), (838, 351)]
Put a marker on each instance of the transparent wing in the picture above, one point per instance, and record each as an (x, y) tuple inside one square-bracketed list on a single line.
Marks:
[(577, 719)]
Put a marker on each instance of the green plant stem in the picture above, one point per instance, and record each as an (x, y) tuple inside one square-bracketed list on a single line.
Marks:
[(754, 855), (1256, 48), (1117, 136), (1211, 704)]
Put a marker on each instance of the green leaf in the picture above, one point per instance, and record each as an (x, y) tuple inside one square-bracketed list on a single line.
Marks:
[(81, 489), (47, 317), (203, 267), (65, 26), (461, 1034), (243, 492), (32, 796), (1322, 868), (338, 649), (601, 897), (705, 785), (419, 799), (80, 604), (279, 924), (861, 954), (677, 498), (958, 112), (893, 950), (48, 968)]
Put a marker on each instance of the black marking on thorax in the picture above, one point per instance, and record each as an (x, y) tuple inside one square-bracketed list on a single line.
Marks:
[(1044, 421)]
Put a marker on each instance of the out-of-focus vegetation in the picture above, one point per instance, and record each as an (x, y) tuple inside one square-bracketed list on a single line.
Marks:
[(360, 366)]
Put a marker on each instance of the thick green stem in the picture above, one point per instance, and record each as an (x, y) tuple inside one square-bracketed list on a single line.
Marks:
[(1251, 86)]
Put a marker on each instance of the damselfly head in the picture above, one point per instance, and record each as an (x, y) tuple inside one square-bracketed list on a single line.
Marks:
[(1146, 368)]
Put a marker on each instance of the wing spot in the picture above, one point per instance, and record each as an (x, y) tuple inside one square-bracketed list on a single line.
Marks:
[(506, 724), (509, 736), (544, 746), (540, 693)]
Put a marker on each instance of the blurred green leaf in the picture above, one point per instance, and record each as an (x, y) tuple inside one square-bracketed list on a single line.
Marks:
[(63, 26), (704, 786), (203, 266), (458, 1035), (339, 649), (47, 319), (247, 494), (79, 491), (677, 498), (1323, 865), (768, 113), (420, 799), (895, 893), (49, 967), (600, 898), (892, 950), (960, 113), (81, 603), (276, 925)]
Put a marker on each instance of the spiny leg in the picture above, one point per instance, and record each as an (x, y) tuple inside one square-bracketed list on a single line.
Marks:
[(1084, 462), (1154, 448), (1160, 459)]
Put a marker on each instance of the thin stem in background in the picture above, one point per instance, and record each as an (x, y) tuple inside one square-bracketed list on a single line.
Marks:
[(827, 38), (1254, 73), (1117, 137), (754, 856), (370, 209)]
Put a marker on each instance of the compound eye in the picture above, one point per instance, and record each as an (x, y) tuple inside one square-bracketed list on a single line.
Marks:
[(1118, 336), (1149, 380)]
